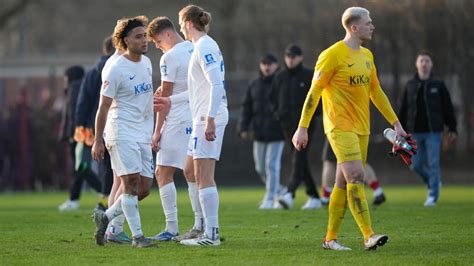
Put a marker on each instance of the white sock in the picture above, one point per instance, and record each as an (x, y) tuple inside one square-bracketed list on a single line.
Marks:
[(168, 200), (115, 210), (116, 225), (130, 210), (378, 191), (210, 205), (196, 205)]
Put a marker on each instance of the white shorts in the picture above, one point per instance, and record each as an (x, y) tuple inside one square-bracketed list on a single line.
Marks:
[(200, 148), (174, 144), (128, 157)]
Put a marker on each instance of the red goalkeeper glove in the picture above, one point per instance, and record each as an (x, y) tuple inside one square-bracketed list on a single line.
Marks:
[(406, 149)]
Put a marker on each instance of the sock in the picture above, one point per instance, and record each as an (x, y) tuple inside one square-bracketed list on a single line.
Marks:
[(115, 210), (130, 210), (375, 186), (168, 200), (337, 209), (196, 205), (359, 208), (209, 199), (326, 192), (116, 225)]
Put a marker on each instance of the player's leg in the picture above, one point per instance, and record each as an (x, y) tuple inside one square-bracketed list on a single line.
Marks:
[(337, 209), (371, 179), (115, 231), (273, 155), (164, 178), (433, 148), (328, 179), (205, 155), (193, 190), (75, 191)]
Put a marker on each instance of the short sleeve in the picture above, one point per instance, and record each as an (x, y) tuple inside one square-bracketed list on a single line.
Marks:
[(325, 68), (110, 84), (168, 69)]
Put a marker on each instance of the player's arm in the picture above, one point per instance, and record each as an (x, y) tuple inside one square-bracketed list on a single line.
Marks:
[(325, 69), (166, 91), (107, 94), (98, 148)]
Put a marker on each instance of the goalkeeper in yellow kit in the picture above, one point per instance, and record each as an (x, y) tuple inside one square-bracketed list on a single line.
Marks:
[(346, 78)]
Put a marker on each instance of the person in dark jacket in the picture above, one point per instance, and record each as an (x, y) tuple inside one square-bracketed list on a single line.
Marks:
[(258, 122), (289, 90), (74, 76), (426, 108)]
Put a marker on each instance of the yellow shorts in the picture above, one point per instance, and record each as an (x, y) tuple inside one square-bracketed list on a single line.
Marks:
[(348, 146)]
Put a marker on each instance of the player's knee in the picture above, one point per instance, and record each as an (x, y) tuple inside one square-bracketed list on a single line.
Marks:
[(355, 176)]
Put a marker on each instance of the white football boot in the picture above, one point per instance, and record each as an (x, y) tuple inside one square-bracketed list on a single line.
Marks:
[(312, 204), (375, 241), (334, 245)]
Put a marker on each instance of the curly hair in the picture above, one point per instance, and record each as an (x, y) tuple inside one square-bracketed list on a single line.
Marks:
[(197, 15), (122, 29)]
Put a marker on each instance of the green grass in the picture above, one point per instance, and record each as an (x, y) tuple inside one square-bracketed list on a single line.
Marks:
[(33, 232)]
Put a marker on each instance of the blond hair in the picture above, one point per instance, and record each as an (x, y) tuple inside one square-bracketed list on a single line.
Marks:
[(197, 15), (353, 14)]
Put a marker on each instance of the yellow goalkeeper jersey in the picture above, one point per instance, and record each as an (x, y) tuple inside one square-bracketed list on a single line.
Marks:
[(347, 80)]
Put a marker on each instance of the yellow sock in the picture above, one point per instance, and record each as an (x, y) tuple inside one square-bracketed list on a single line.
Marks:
[(337, 209), (359, 208)]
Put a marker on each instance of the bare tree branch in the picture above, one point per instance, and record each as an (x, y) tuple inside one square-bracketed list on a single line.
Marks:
[(12, 11)]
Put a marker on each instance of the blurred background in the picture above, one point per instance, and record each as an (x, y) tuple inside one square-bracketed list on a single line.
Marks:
[(41, 38)]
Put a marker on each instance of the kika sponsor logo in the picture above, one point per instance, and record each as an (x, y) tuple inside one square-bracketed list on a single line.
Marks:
[(359, 80), (143, 88), (209, 59)]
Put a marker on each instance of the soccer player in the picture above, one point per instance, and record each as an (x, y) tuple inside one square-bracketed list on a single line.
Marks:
[(125, 119), (173, 127), (346, 77), (329, 173), (208, 101)]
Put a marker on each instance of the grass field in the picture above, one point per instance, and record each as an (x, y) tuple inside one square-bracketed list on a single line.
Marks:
[(34, 232)]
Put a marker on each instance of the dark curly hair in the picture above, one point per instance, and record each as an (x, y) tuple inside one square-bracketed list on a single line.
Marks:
[(123, 27)]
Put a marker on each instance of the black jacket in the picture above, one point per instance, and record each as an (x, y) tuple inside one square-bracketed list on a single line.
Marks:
[(289, 90), (68, 119), (436, 103), (89, 95), (256, 113)]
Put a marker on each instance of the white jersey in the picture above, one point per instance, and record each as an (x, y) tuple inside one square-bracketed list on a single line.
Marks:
[(206, 57), (130, 86), (110, 61), (174, 68)]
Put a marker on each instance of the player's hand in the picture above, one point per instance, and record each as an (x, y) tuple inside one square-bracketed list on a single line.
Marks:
[(210, 129), (98, 149), (161, 104), (155, 141), (300, 138), (405, 153), (399, 130), (158, 92)]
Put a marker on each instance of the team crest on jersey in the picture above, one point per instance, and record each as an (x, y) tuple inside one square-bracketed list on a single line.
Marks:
[(317, 75), (164, 70), (367, 64), (105, 84), (209, 59)]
